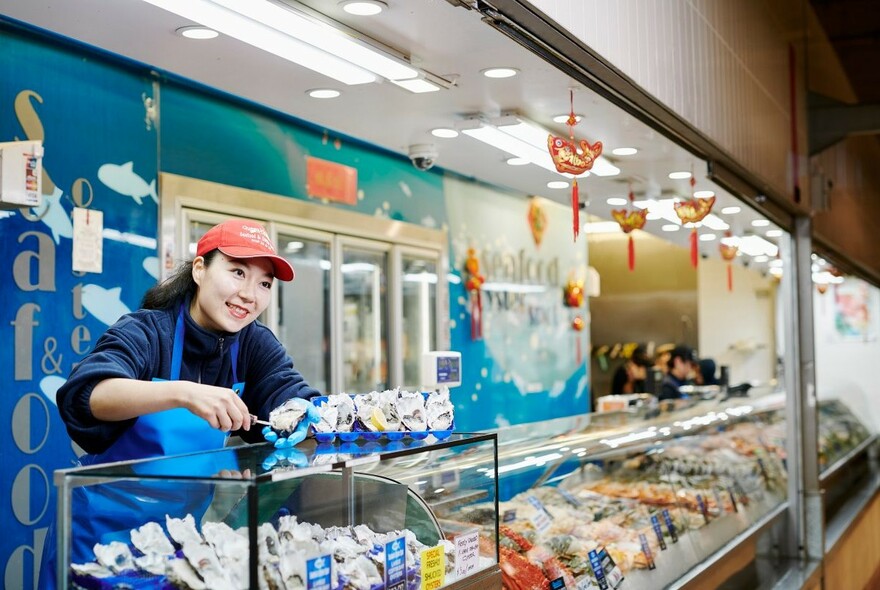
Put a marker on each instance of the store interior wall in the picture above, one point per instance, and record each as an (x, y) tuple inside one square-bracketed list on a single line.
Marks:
[(656, 302), (737, 327), (847, 341)]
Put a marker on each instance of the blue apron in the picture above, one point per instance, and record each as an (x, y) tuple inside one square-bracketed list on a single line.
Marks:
[(107, 512)]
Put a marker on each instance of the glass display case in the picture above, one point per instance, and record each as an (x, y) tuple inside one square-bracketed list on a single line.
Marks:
[(348, 515), (645, 495)]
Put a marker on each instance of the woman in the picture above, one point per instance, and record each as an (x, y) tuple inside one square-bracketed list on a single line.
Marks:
[(630, 376), (170, 377)]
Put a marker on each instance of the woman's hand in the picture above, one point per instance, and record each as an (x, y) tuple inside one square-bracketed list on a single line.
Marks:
[(219, 406), (302, 429)]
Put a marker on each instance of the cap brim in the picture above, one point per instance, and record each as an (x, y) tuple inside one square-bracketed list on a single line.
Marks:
[(283, 269)]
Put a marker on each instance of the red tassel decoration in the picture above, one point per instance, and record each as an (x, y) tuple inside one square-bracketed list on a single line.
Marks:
[(631, 254), (729, 277), (694, 250), (476, 316), (575, 208)]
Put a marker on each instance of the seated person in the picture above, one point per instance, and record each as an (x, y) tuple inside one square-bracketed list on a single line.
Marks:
[(681, 364), (706, 373), (630, 376)]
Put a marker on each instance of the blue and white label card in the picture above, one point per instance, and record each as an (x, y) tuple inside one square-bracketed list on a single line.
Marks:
[(318, 573), (395, 564)]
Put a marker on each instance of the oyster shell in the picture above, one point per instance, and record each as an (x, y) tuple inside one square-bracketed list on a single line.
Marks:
[(287, 416), (411, 409), (150, 538), (115, 556), (377, 411), (93, 569), (155, 563), (439, 410), (337, 414), (183, 530), (231, 548), (180, 573)]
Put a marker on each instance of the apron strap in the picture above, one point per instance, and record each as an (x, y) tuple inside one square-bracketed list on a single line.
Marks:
[(233, 353), (177, 350)]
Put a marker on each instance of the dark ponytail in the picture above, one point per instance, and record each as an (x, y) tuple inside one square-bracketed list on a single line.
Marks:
[(176, 287)]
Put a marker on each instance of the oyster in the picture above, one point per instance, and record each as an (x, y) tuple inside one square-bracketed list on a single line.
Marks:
[(116, 556), (337, 414), (155, 563), (231, 548), (150, 538), (439, 410), (411, 409), (93, 569), (377, 410), (287, 416), (180, 573), (183, 530)]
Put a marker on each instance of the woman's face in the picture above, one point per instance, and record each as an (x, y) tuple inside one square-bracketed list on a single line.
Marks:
[(232, 292)]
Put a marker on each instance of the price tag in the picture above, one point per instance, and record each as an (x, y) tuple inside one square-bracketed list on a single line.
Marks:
[(570, 498), (585, 583), (88, 245), (608, 575), (558, 584), (541, 519), (509, 515), (732, 498), (702, 505), (318, 573), (668, 520), (718, 502), (467, 553), (646, 549), (655, 524), (395, 564), (433, 568)]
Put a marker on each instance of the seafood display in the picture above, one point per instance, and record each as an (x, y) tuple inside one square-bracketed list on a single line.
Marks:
[(651, 498), (393, 411), (287, 416), (218, 557)]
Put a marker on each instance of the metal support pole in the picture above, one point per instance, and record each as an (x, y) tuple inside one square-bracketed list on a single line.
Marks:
[(805, 407)]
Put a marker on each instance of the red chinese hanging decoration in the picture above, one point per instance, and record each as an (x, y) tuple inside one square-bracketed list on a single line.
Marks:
[(693, 211), (473, 284), (728, 249), (630, 219), (573, 157), (573, 294), (537, 221)]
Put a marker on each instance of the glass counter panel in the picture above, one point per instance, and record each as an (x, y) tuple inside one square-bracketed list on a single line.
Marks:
[(255, 516)]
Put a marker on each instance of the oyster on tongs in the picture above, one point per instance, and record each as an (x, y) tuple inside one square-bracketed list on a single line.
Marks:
[(287, 416)]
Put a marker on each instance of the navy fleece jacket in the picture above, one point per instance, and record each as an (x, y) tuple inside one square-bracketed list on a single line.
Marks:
[(139, 346)]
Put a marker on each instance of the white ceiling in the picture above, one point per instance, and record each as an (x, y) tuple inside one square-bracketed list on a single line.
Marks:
[(439, 38)]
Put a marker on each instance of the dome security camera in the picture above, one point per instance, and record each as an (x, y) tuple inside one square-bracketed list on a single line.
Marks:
[(423, 155)]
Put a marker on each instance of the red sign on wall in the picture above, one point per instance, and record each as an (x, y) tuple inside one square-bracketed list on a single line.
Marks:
[(331, 181)]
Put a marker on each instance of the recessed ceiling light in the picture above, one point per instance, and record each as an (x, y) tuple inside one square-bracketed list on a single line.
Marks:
[(670, 227), (680, 175), (500, 72), (444, 132), (197, 32), (518, 161), (707, 237), (617, 201), (731, 210), (774, 233), (704, 194), (760, 223), (323, 93), (761, 258), (624, 151), (557, 184), (564, 118), (363, 7)]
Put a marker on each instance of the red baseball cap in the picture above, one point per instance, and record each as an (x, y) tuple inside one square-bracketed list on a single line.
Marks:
[(240, 238)]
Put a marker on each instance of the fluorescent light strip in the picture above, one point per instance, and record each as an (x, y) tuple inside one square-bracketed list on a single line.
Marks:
[(757, 246), (291, 36), (493, 136), (417, 85)]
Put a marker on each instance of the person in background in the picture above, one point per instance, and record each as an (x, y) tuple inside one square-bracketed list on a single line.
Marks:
[(705, 374), (170, 378), (661, 357), (681, 364), (630, 376)]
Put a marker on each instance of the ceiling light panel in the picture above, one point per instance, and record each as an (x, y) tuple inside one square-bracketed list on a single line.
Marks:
[(417, 85), (293, 36)]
